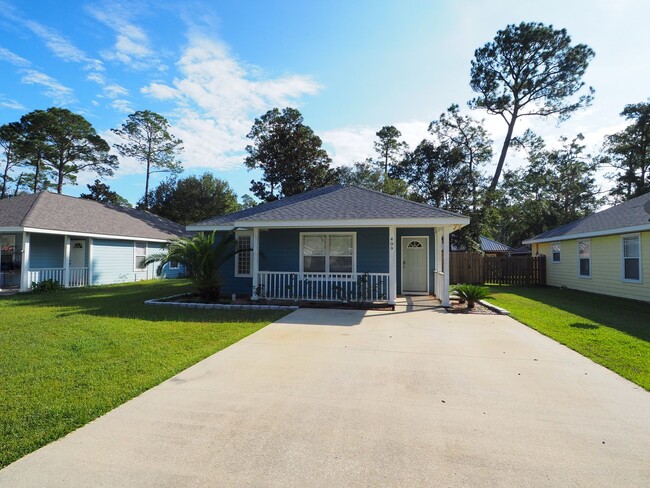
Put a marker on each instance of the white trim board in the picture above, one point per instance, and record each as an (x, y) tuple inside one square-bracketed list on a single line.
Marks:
[(585, 235), (80, 234)]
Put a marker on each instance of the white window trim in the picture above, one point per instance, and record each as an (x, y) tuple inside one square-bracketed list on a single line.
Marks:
[(581, 276), (560, 260), (238, 234), (327, 261), (623, 279), (171, 266), (135, 256)]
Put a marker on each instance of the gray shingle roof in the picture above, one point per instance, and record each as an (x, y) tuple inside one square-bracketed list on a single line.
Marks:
[(54, 212), (625, 215), (333, 203)]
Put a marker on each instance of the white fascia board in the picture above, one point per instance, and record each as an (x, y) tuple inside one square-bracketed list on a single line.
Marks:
[(584, 235), (96, 236), (204, 228), (421, 222)]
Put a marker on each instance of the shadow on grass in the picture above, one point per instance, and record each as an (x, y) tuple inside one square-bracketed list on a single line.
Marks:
[(628, 316), (127, 301), (579, 325)]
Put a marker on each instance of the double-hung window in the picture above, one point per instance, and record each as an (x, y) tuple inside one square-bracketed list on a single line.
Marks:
[(556, 251), (631, 258), (584, 259), (139, 255), (327, 253), (243, 258)]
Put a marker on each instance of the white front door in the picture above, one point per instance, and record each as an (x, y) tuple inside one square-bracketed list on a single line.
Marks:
[(77, 253), (415, 265)]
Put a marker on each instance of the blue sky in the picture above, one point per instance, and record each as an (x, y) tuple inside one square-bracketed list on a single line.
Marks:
[(351, 67)]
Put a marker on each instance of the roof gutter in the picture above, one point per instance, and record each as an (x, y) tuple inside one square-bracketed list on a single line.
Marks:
[(584, 235)]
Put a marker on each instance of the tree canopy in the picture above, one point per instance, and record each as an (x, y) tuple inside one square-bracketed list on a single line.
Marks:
[(289, 155), (389, 147), (529, 69), (149, 141), (192, 199), (102, 193)]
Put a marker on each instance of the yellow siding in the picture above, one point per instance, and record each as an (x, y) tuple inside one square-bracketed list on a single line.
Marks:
[(606, 277)]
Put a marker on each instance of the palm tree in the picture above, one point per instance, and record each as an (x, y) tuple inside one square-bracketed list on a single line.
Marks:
[(202, 256)]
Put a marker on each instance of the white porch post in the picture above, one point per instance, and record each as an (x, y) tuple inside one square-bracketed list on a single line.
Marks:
[(24, 263), (66, 261), (256, 262), (89, 280), (438, 261), (392, 264), (445, 286)]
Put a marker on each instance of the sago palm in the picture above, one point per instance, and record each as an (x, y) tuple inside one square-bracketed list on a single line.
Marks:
[(202, 255)]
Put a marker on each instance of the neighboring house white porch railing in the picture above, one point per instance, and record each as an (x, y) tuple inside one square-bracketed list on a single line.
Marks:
[(349, 287), (77, 276)]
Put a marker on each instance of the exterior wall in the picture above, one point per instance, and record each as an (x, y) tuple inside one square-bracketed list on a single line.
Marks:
[(606, 275), (280, 251), (46, 251), (113, 262), (422, 232)]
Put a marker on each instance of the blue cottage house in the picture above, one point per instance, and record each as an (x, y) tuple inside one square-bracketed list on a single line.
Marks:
[(338, 243), (77, 242)]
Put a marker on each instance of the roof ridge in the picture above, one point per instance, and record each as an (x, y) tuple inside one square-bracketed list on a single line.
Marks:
[(31, 207), (402, 199), (296, 201)]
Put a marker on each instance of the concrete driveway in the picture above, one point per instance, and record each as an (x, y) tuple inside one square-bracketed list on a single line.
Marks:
[(346, 398)]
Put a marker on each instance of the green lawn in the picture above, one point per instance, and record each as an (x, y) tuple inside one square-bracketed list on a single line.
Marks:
[(611, 331), (70, 356)]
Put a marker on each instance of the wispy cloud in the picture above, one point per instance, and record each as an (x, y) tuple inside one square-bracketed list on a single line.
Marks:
[(217, 99), (122, 105), (132, 45), (10, 103), (13, 58), (61, 94)]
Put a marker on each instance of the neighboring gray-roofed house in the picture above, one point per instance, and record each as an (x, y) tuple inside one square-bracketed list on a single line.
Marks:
[(607, 252), (78, 242), (338, 243), (488, 246)]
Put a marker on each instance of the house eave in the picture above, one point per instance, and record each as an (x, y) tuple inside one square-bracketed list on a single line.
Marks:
[(585, 235), (457, 222), (81, 234)]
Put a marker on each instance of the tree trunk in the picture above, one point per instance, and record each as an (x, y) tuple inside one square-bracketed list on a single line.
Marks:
[(504, 152), (3, 191), (146, 185), (37, 173)]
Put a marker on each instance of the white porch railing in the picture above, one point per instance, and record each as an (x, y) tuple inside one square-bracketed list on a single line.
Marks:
[(347, 287), (77, 276)]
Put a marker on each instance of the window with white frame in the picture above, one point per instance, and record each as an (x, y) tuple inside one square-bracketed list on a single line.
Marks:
[(556, 251), (584, 258), (631, 258), (173, 265), (139, 255), (327, 253), (243, 259), (8, 252)]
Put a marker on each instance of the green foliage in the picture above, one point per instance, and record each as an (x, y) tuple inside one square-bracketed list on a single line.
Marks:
[(65, 144), (102, 193), (628, 152), (367, 175), (148, 141), (289, 155), (611, 331), (556, 188), (46, 286), (10, 137), (192, 199), (70, 357), (529, 69), (202, 255), (471, 293), (389, 147)]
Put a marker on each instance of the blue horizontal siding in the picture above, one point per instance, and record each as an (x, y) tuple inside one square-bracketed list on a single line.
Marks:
[(113, 262), (46, 251)]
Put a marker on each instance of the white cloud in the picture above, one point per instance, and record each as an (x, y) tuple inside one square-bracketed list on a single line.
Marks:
[(10, 103), (56, 91), (13, 58), (122, 105), (217, 99), (114, 91), (132, 46)]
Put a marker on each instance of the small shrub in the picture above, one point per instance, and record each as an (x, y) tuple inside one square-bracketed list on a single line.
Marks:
[(46, 286), (471, 293)]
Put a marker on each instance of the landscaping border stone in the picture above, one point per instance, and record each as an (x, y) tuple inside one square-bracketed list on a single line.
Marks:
[(217, 306)]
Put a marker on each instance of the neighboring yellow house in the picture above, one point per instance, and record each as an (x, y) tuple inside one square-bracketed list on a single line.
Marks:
[(607, 252)]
